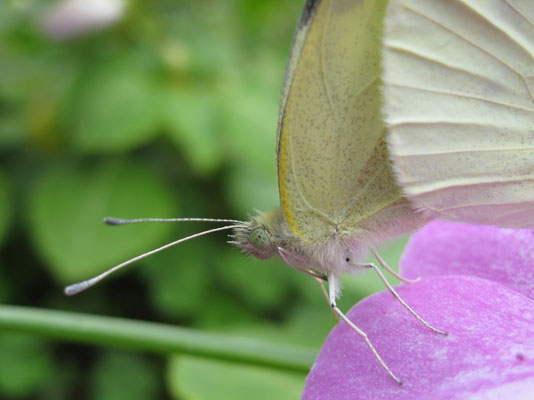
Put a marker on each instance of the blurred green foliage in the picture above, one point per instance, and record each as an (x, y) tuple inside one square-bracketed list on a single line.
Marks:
[(193, 378), (170, 112)]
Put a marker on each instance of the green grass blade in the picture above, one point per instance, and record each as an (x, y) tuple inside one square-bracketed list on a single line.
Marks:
[(153, 337)]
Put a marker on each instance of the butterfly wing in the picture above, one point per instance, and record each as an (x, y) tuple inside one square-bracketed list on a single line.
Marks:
[(333, 166), (459, 101)]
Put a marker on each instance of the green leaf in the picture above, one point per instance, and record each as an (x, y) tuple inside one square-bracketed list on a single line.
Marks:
[(263, 285), (248, 189), (120, 376), (250, 121), (67, 210), (179, 280), (187, 378), (25, 365), (6, 288), (210, 52), (6, 206), (224, 312), (308, 326), (192, 122), (116, 108), (11, 131)]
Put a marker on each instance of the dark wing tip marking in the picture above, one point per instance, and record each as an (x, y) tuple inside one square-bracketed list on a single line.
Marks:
[(309, 11)]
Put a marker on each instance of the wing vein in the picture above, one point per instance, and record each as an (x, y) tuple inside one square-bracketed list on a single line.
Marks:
[(462, 95), (500, 29), (528, 206), (415, 53), (494, 56), (520, 12), (473, 150), (333, 111), (444, 185), (445, 122), (355, 200), (323, 69), (297, 184)]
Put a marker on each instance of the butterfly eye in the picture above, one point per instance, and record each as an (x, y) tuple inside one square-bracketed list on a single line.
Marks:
[(260, 239)]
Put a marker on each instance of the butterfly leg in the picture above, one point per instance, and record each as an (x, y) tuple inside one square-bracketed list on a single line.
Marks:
[(333, 286), (396, 295), (384, 265), (321, 284)]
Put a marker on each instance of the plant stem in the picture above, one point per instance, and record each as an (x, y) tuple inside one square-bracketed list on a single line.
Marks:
[(153, 337)]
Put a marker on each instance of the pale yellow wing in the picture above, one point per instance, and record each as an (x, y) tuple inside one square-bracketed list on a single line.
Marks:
[(333, 166), (459, 99)]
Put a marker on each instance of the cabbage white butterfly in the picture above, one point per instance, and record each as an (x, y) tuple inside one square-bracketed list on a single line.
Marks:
[(338, 193)]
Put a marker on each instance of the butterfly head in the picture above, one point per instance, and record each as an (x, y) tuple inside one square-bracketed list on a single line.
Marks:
[(255, 237)]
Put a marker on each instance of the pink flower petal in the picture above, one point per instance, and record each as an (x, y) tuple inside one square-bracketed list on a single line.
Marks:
[(68, 19), (498, 254), (488, 354)]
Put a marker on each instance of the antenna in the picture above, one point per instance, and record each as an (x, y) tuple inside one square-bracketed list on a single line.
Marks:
[(83, 285), (120, 221)]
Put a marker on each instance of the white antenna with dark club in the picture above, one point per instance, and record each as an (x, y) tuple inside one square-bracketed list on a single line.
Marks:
[(83, 285)]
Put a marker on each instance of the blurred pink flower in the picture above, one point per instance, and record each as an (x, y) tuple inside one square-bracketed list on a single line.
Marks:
[(72, 18), (489, 352)]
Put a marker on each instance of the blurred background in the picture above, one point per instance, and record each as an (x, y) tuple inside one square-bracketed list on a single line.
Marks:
[(161, 108)]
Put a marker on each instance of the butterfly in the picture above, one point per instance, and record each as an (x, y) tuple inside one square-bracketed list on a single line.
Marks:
[(367, 152)]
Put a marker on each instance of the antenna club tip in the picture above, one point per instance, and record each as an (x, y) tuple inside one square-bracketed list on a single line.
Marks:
[(69, 291), (76, 288), (112, 221)]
